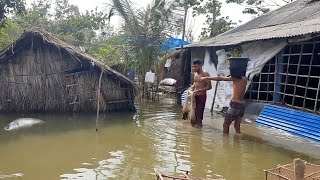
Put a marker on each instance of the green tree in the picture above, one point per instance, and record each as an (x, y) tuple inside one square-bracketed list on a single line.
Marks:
[(67, 22), (88, 30), (11, 6), (214, 24), (8, 33), (258, 7), (108, 49), (79, 29), (38, 15), (64, 9), (42, 7), (144, 31)]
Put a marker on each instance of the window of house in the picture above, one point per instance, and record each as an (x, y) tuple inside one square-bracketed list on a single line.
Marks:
[(262, 87), (290, 79)]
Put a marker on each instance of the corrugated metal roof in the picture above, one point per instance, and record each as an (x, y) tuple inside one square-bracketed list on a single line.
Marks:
[(293, 121), (298, 18)]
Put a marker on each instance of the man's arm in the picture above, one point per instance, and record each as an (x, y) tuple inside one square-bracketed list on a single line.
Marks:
[(217, 78), (192, 87)]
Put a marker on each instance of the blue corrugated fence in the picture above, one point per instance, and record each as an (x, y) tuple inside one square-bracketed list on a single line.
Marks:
[(293, 121)]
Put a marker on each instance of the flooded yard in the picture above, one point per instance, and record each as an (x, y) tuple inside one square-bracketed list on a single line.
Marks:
[(131, 145)]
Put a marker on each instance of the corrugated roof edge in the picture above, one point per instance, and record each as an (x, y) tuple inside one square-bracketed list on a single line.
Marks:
[(222, 39)]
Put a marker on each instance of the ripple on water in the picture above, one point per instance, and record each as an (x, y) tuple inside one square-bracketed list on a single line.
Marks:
[(108, 168), (155, 137)]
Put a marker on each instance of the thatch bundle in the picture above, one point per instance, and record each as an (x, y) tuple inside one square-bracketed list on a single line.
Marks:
[(42, 73)]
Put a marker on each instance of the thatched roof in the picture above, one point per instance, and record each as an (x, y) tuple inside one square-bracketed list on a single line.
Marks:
[(50, 39), (298, 18)]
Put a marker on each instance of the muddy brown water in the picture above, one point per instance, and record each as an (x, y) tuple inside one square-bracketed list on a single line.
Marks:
[(131, 145)]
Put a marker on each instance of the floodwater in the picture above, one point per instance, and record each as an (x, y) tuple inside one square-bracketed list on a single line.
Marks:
[(130, 146)]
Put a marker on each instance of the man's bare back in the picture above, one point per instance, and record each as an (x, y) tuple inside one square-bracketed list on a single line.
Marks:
[(239, 89)]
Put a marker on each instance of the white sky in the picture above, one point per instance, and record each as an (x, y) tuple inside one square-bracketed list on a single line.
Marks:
[(232, 10)]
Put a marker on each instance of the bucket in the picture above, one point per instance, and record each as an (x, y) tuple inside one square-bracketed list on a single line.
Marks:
[(238, 66)]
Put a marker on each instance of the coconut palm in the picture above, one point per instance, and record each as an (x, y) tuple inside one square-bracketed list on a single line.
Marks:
[(144, 30)]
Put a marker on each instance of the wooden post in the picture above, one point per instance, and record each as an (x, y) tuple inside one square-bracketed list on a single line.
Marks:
[(299, 168), (98, 102)]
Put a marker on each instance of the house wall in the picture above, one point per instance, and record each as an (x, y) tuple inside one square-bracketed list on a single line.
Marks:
[(196, 53), (258, 53), (43, 78)]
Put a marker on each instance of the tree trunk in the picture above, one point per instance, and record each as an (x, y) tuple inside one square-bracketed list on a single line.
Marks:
[(142, 85)]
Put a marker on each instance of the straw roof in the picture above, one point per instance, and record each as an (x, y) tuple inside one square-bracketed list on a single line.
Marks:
[(50, 39)]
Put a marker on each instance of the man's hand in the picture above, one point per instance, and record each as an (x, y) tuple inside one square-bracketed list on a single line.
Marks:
[(196, 92), (190, 91)]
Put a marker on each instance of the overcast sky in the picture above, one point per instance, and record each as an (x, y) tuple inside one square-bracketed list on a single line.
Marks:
[(232, 10)]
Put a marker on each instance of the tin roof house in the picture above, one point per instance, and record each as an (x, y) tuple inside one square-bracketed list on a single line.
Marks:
[(283, 47)]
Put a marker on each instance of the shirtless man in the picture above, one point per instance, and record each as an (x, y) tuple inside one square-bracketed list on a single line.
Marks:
[(237, 105), (200, 88)]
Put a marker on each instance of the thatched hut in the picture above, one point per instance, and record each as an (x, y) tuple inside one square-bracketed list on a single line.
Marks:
[(40, 73), (179, 68)]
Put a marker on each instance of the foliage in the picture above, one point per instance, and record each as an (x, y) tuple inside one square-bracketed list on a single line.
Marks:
[(144, 31), (8, 33), (214, 24), (138, 43), (37, 15), (67, 23), (108, 50), (258, 7), (11, 6)]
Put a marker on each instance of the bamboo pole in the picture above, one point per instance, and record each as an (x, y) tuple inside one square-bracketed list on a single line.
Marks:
[(98, 128)]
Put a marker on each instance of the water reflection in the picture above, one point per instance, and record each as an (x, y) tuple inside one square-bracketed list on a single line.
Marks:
[(130, 146), (106, 168)]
